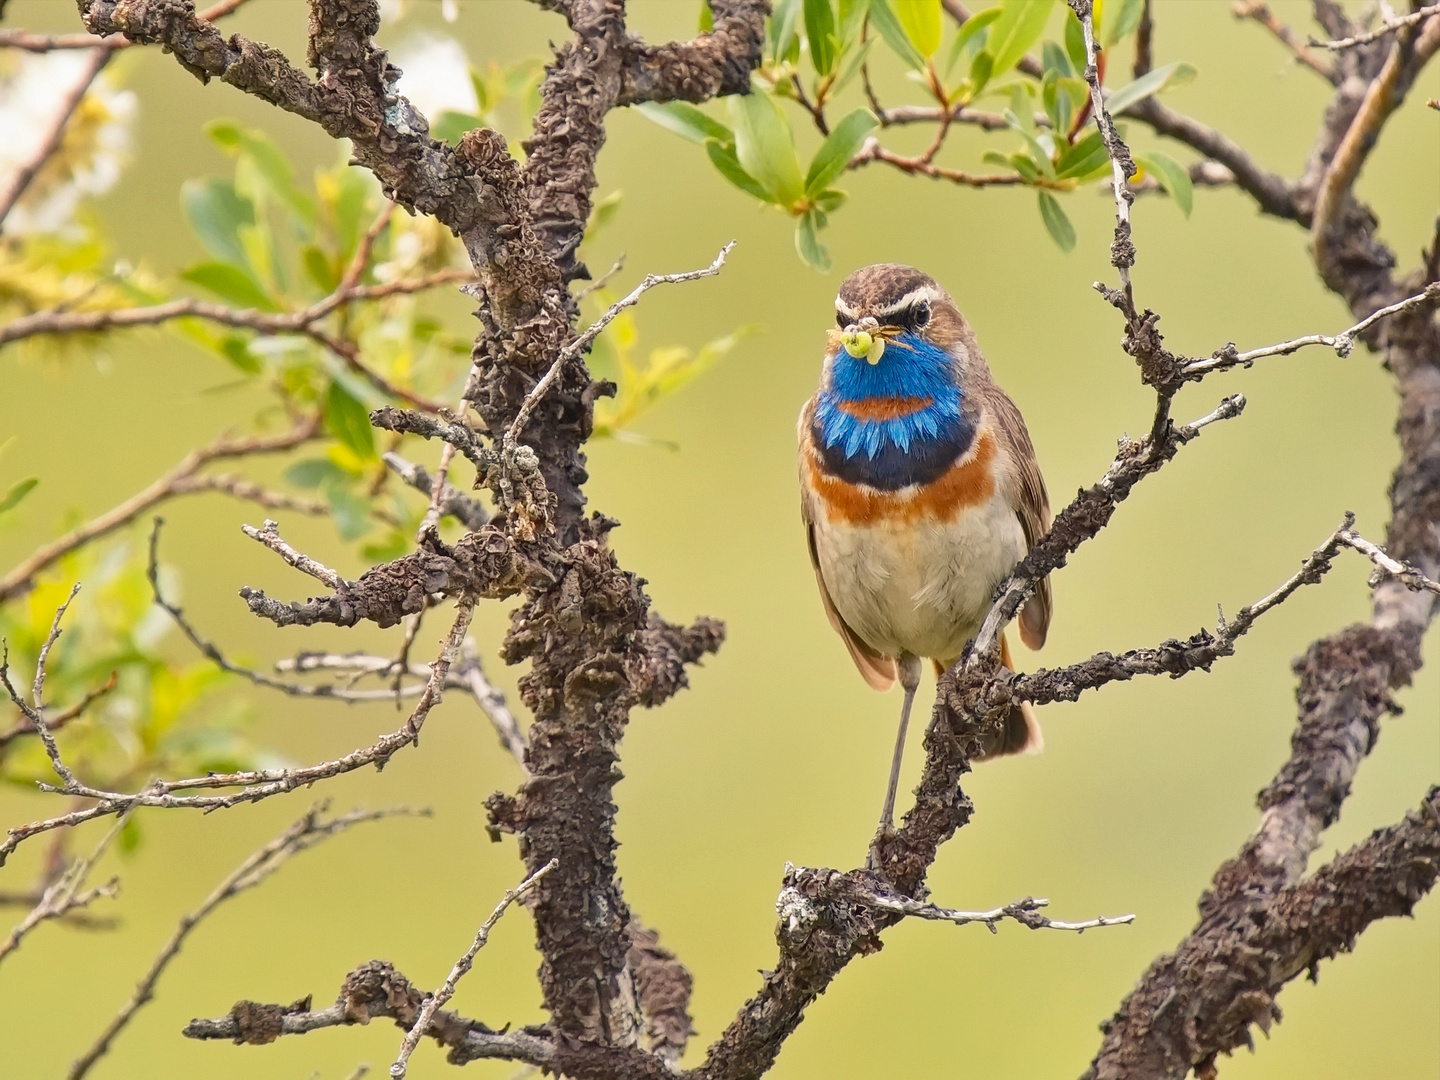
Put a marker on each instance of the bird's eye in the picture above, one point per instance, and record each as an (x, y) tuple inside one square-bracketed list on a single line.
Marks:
[(920, 314), (841, 321)]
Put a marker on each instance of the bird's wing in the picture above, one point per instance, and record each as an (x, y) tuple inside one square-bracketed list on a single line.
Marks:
[(1032, 505), (877, 670)]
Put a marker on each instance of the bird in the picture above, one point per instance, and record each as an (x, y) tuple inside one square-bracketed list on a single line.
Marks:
[(920, 491)]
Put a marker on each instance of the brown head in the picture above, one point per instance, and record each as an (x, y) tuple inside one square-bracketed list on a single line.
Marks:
[(888, 299)]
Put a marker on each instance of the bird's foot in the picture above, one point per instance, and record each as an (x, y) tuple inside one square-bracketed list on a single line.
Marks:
[(874, 858)]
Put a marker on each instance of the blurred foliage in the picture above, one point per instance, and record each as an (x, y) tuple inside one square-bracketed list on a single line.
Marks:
[(1057, 151), (157, 717), (273, 245)]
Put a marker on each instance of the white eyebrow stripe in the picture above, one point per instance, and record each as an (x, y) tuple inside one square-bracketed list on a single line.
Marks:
[(842, 308), (910, 299)]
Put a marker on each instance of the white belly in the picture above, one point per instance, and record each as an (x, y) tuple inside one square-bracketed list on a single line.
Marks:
[(920, 588)]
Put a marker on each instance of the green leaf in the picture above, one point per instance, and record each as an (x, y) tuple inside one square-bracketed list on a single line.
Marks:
[(837, 149), (852, 18), (820, 32), (1025, 165), (1038, 153), (1119, 24), (237, 350), (269, 161), (883, 18), (1162, 78), (830, 200), (231, 284), (970, 31), (394, 543), (1075, 43), (765, 146), (782, 35), (18, 491), (1019, 26), (1172, 176), (1055, 60), (1085, 155), (707, 17), (921, 21), (728, 165), (349, 210), (313, 472), (351, 512), (686, 121), (856, 61), (1061, 231), (1058, 106), (602, 212), (980, 69), (450, 125), (320, 269), (349, 421), (215, 213), (808, 244)]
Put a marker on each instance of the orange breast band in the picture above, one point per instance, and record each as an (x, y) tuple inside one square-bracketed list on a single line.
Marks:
[(884, 408), (970, 483)]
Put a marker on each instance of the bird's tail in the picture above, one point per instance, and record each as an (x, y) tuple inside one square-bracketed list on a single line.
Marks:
[(1021, 734)]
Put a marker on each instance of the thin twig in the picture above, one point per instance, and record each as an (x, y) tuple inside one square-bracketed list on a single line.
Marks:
[(41, 43), (458, 972), (1092, 507), (1122, 250), (269, 535), (1385, 564), (305, 833), (1026, 912), (1342, 342), (1389, 26), (68, 100), (453, 502), (492, 703), (254, 784), (25, 726), (920, 165), (168, 486), (213, 653), (581, 343), (603, 280), (1260, 12), (371, 991), (36, 711), (263, 322), (63, 895)]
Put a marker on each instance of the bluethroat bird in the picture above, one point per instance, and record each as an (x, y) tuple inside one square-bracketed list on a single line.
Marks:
[(919, 491)]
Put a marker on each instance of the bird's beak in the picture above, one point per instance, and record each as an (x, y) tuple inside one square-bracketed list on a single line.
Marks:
[(861, 343)]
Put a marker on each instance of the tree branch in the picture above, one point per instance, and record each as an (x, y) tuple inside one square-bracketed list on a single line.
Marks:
[(433, 1002), (304, 834), (374, 990), (1261, 13), (180, 480), (1387, 26), (256, 784), (63, 896)]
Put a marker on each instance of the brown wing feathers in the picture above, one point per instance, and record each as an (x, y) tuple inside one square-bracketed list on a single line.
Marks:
[(1032, 505)]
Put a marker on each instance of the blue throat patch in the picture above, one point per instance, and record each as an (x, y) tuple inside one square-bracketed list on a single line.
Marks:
[(899, 451)]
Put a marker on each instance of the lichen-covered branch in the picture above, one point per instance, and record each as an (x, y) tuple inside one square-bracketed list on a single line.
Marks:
[(373, 991), (310, 830)]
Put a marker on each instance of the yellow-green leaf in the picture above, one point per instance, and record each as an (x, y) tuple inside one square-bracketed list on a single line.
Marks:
[(921, 21)]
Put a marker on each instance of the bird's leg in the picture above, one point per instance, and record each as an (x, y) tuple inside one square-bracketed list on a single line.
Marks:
[(909, 666)]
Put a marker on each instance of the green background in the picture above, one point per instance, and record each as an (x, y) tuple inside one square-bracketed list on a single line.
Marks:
[(778, 752)]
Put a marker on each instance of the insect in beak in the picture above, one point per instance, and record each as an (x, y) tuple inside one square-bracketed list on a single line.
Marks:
[(864, 339)]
